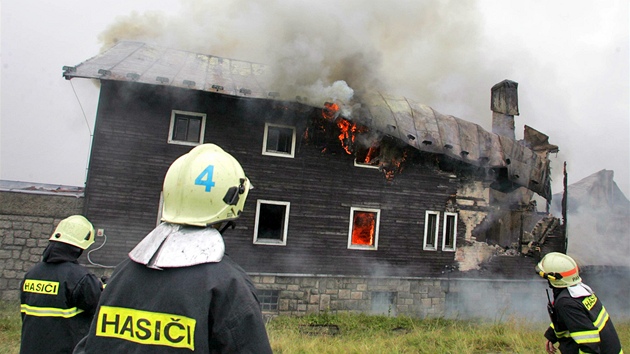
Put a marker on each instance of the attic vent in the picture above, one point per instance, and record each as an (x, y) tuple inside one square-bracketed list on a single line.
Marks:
[(411, 137), (217, 87), (427, 142), (448, 146), (133, 76), (162, 79), (245, 91), (189, 83), (104, 72), (464, 153), (273, 94)]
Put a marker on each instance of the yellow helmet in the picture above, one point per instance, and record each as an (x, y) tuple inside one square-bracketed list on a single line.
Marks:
[(74, 230), (204, 187), (561, 270)]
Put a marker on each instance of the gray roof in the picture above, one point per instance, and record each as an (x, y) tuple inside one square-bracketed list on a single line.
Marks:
[(413, 123)]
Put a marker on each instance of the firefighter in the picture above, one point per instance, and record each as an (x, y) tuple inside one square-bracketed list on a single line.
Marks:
[(178, 291), (58, 295), (579, 321)]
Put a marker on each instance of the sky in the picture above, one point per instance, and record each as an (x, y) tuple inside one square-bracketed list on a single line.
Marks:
[(569, 57)]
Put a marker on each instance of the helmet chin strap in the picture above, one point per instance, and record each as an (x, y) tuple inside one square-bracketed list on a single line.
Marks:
[(227, 224)]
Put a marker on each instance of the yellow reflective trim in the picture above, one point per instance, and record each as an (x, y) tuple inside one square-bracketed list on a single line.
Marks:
[(40, 287), (145, 327), (586, 336), (602, 318), (49, 311)]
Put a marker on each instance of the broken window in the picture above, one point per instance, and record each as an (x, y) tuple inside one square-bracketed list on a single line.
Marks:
[(272, 222), (279, 140), (367, 157), (450, 232), (268, 299), (363, 233), (187, 128), (383, 303), (431, 222)]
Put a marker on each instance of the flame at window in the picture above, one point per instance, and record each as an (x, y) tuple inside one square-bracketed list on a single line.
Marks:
[(363, 228)]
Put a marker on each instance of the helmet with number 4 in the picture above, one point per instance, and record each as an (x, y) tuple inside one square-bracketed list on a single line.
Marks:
[(74, 230), (561, 270), (203, 187)]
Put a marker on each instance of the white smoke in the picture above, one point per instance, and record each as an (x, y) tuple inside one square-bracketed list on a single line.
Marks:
[(415, 49)]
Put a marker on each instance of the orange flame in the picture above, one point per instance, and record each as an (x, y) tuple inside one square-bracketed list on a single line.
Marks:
[(330, 110), (363, 228)]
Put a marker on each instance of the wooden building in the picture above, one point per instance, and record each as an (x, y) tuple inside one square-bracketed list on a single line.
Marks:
[(394, 191)]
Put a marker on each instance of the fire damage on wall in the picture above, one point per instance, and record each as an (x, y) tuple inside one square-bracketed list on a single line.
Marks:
[(497, 175), (494, 203)]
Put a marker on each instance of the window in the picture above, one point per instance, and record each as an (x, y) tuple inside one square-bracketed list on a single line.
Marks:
[(279, 140), (268, 299), (363, 232), (367, 157), (187, 128), (272, 223), (383, 303), (431, 222), (450, 232)]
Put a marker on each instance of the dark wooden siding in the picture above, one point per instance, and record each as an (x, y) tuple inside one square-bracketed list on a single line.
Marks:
[(130, 156)]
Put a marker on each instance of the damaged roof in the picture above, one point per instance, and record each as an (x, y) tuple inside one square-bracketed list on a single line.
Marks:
[(410, 122)]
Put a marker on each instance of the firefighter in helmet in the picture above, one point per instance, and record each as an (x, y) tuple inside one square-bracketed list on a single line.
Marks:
[(579, 321), (178, 290), (58, 295)]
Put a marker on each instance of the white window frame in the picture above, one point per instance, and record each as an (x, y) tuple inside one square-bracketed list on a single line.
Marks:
[(364, 165), (285, 227), (202, 131), (426, 230), (444, 235), (376, 228), (279, 153)]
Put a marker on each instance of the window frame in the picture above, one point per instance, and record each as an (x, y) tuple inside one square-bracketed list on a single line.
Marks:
[(290, 154), (426, 230), (285, 226), (376, 229), (444, 235), (202, 128)]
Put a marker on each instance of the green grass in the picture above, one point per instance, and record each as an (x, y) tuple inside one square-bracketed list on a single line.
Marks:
[(10, 327), (360, 333)]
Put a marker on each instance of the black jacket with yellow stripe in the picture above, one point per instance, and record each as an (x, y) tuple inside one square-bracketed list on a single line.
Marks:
[(582, 325), (58, 299), (204, 308)]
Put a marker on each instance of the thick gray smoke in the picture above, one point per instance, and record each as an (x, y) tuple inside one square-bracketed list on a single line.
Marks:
[(331, 50)]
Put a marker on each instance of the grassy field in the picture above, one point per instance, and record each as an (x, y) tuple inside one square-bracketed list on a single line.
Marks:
[(358, 333)]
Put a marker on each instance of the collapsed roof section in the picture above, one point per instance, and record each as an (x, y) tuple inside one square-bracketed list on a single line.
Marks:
[(417, 125)]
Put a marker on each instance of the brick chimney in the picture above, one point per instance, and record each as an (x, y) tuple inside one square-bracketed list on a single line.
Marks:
[(504, 106)]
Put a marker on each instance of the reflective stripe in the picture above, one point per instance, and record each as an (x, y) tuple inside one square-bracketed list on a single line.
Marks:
[(569, 272), (601, 320), (49, 311), (562, 334), (586, 337), (593, 335)]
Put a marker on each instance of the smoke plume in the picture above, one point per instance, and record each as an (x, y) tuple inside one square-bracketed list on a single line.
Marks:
[(331, 50)]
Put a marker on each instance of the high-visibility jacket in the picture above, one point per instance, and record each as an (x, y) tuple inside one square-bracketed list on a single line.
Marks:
[(58, 299), (582, 325), (205, 308)]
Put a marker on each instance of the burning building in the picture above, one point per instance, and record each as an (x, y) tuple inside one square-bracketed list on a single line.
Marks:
[(375, 198)]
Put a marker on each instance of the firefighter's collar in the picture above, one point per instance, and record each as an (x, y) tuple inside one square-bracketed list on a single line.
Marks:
[(580, 290), (177, 246)]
